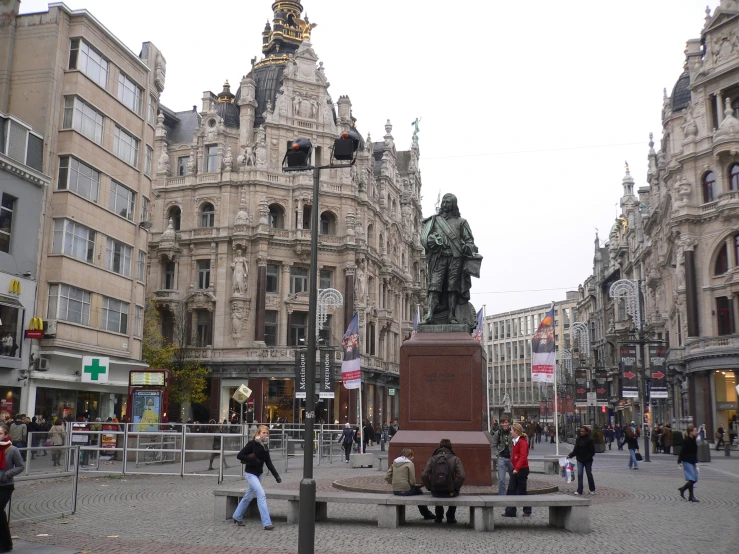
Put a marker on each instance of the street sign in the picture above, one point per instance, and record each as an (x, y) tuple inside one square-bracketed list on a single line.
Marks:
[(94, 369), (592, 399), (391, 392)]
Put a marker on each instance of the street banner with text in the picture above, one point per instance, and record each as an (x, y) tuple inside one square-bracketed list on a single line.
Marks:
[(542, 351), (351, 372), (327, 374), (601, 386), (629, 372), (301, 387), (581, 387), (657, 371)]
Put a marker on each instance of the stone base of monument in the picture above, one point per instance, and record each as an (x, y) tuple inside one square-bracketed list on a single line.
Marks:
[(443, 376), (472, 447)]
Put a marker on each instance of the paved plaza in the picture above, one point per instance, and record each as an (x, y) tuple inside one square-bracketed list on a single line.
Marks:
[(633, 511)]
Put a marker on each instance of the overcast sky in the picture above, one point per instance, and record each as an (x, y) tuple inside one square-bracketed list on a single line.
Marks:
[(529, 109)]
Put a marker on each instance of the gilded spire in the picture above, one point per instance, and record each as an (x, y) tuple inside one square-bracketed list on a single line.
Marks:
[(287, 31)]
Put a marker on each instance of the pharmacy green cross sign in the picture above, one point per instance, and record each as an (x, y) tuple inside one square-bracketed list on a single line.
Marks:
[(95, 369)]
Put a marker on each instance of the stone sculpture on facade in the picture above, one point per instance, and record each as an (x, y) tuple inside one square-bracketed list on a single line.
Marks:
[(241, 272), (228, 161), (261, 148), (360, 285), (452, 261)]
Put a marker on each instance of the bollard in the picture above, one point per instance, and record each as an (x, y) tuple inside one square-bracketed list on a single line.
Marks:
[(382, 445), (728, 449)]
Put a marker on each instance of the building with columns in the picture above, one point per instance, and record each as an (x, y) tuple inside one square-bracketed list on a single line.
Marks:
[(230, 243), (678, 235)]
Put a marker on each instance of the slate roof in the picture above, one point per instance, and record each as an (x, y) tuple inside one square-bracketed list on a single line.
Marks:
[(230, 114), (268, 80), (680, 98), (180, 125)]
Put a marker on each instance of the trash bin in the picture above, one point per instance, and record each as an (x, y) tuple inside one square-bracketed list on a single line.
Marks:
[(704, 452)]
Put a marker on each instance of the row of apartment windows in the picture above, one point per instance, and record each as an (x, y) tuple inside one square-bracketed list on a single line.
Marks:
[(298, 277), (80, 178), (86, 120), (78, 241), (72, 304), (276, 218), (89, 61)]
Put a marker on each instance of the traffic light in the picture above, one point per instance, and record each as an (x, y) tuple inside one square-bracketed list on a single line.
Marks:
[(345, 147), (298, 155)]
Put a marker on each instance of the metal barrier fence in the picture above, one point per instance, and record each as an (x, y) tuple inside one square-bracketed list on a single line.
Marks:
[(174, 449), (32, 504)]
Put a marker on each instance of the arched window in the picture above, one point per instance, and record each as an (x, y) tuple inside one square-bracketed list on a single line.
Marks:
[(722, 262), (709, 187), (371, 235), (175, 214), (734, 177), (207, 215), (276, 216), (328, 223)]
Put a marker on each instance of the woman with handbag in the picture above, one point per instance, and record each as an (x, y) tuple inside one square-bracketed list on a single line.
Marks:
[(11, 464), (688, 460), (254, 456), (633, 445)]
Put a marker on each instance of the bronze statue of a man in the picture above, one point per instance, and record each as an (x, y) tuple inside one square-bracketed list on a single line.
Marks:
[(452, 260)]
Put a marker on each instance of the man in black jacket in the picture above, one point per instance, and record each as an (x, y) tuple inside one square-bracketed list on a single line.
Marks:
[(444, 477), (584, 452)]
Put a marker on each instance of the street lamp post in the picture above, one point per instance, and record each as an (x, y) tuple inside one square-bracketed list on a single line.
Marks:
[(629, 291), (297, 158)]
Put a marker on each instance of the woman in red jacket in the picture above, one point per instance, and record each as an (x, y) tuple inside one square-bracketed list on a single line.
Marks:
[(520, 463)]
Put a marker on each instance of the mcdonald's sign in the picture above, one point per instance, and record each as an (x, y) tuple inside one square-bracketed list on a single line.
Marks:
[(15, 286), (35, 329)]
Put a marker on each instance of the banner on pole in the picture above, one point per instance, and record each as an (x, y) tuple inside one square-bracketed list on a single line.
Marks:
[(301, 358), (327, 375), (542, 351), (629, 372), (601, 386), (657, 371), (477, 333), (581, 388), (351, 372)]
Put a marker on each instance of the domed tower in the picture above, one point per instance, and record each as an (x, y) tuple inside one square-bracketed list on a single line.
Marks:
[(280, 42)]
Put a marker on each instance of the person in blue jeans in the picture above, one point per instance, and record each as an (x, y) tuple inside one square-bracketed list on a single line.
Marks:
[(254, 456), (502, 448), (632, 443), (584, 452)]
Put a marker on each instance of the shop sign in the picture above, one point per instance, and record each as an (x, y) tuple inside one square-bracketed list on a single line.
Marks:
[(301, 389), (629, 372), (658, 372), (725, 406), (326, 389), (95, 369), (147, 378), (391, 392), (34, 334)]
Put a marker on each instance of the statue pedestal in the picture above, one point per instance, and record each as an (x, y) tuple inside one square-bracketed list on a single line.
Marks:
[(442, 395)]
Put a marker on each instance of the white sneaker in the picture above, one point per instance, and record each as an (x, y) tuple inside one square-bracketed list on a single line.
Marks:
[(578, 493), (592, 493)]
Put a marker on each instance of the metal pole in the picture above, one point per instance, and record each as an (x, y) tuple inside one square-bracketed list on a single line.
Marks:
[(307, 522), (76, 478), (645, 397), (125, 447)]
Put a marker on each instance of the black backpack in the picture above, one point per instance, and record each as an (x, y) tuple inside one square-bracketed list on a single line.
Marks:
[(442, 473)]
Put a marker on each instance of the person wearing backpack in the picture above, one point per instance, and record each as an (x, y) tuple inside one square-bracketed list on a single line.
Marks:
[(444, 476), (402, 476), (520, 473)]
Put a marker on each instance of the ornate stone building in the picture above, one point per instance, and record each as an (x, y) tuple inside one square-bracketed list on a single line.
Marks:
[(230, 245), (680, 237)]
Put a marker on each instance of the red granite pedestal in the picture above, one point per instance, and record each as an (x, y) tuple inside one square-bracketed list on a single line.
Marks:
[(442, 395)]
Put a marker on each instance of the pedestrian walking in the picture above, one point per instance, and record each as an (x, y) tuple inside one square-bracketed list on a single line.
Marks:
[(584, 452), (618, 432), (368, 435), (19, 434), (609, 436), (57, 434), (520, 473), (347, 439), (551, 434), (667, 438), (444, 477), (502, 449), (632, 444), (254, 456), (688, 460), (402, 476), (216, 447), (733, 430), (531, 432), (655, 438), (720, 437), (11, 464), (538, 432)]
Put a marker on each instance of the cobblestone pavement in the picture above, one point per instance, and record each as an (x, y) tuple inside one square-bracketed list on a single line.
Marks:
[(633, 511)]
